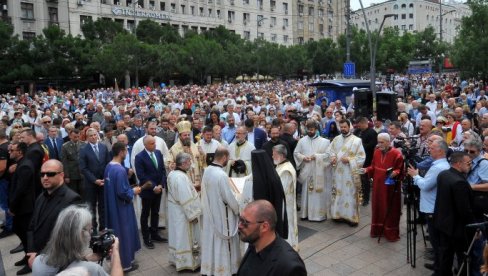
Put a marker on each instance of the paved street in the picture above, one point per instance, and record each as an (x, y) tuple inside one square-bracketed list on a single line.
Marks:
[(327, 249)]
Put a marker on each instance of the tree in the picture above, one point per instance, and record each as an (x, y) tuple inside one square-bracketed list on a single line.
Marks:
[(103, 31), (472, 42)]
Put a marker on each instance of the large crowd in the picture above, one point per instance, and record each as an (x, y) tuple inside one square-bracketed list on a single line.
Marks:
[(227, 170)]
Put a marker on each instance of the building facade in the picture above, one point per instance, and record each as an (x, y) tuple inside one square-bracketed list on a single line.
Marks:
[(414, 15), (285, 22)]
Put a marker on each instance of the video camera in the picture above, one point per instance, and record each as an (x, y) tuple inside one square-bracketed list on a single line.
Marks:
[(297, 115), (408, 145), (101, 243)]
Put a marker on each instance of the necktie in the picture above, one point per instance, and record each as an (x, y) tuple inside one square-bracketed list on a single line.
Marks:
[(95, 149), (56, 153), (154, 160)]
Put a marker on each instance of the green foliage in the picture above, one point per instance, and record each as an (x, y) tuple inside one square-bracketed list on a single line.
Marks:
[(471, 44)]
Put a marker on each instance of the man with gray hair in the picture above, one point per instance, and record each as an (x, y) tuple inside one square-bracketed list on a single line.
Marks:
[(288, 177), (478, 175), (184, 211), (428, 190)]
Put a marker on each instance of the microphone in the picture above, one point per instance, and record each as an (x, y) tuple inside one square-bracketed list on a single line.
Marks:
[(477, 225)]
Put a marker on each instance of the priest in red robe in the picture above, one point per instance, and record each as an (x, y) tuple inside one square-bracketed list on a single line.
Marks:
[(386, 199)]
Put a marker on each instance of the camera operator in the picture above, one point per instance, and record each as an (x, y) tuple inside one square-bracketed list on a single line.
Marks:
[(69, 246), (396, 134), (428, 189)]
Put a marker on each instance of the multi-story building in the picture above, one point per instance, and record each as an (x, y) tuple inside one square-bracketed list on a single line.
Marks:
[(282, 21), (414, 15)]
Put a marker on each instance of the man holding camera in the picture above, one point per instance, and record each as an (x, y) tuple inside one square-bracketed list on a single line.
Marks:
[(428, 190)]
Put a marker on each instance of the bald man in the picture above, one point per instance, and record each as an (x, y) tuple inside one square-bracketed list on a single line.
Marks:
[(49, 204)]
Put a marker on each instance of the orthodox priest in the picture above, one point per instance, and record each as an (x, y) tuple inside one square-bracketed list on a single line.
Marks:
[(185, 144), (310, 158), (386, 202), (220, 213), (347, 156), (119, 210), (240, 154), (184, 211), (288, 177)]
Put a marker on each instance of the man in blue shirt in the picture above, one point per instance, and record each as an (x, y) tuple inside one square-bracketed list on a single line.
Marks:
[(428, 190), (478, 176), (229, 131)]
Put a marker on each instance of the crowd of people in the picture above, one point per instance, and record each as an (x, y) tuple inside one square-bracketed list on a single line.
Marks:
[(228, 169)]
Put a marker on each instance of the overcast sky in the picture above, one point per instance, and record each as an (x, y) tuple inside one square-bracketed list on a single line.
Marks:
[(355, 3)]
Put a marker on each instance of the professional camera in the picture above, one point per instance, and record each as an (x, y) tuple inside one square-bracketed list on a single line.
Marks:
[(101, 243), (446, 129), (408, 145), (297, 116)]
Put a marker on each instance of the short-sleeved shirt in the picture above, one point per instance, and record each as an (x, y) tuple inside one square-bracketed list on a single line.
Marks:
[(39, 267)]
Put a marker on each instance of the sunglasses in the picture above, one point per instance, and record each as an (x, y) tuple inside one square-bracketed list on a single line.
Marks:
[(246, 223), (471, 151), (49, 174)]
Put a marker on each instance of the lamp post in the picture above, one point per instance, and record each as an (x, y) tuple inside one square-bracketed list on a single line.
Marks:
[(260, 20), (440, 19), (136, 80), (372, 50)]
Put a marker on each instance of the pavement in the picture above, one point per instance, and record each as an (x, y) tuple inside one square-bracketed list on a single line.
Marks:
[(327, 248)]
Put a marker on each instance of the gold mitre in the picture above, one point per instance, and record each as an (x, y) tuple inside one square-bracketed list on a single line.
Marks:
[(183, 126)]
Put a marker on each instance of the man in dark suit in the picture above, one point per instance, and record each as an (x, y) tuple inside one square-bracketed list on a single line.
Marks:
[(94, 157), (54, 143), (276, 140), (453, 211), (21, 195), (70, 153), (35, 153), (268, 253), (255, 135), (137, 131), (369, 137), (152, 178), (49, 204)]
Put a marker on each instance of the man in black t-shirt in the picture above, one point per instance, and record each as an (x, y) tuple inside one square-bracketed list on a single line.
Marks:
[(5, 162)]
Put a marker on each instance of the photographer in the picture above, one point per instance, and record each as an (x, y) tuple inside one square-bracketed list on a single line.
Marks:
[(69, 246), (428, 189)]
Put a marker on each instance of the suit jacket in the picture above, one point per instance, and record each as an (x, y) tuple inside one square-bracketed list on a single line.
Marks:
[(292, 142), (35, 153), (22, 193), (91, 167), (59, 144), (278, 260), (369, 137), (133, 134), (453, 204), (70, 153), (147, 172), (260, 137), (46, 211)]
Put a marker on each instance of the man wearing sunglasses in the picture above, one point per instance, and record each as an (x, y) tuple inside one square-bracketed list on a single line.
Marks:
[(478, 175), (49, 204), (268, 253)]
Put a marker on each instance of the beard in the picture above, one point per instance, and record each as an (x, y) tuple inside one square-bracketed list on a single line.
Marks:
[(344, 132), (311, 134), (276, 162), (186, 142), (251, 238)]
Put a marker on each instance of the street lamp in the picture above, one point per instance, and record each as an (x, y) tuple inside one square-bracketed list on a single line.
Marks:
[(136, 81), (134, 13), (372, 50), (260, 20), (440, 20)]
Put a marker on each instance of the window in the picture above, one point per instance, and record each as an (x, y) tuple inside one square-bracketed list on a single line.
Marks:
[(130, 25), (246, 2), (395, 7), (247, 35), (230, 15), (120, 22), (162, 6), (210, 14), (28, 35), (410, 27), (285, 22), (192, 10), (273, 21), (152, 5), (310, 26), (246, 17), (321, 28), (182, 9), (300, 9), (27, 11), (173, 7), (300, 25), (404, 16), (300, 40), (310, 11), (410, 15), (85, 19), (404, 27), (411, 5), (404, 6), (53, 14), (201, 11), (285, 39), (218, 13), (285, 8), (273, 37), (272, 4)]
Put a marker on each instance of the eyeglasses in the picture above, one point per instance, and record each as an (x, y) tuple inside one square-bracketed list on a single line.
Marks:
[(470, 151), (246, 223), (49, 174), (45, 122), (469, 163)]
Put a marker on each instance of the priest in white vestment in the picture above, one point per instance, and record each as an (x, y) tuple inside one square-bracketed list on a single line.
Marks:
[(207, 146), (347, 155), (288, 177), (184, 210), (312, 160), (240, 149), (220, 209)]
